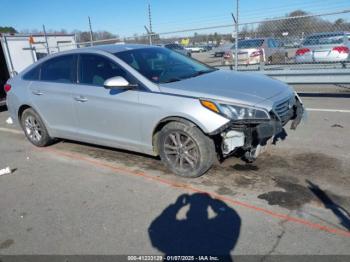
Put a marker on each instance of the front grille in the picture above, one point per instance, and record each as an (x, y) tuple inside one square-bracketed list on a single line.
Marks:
[(284, 109)]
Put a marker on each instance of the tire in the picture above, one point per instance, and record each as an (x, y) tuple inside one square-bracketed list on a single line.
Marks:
[(34, 128), (185, 150), (269, 60), (286, 58)]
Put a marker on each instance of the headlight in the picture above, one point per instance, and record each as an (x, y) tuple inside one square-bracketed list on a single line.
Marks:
[(237, 112)]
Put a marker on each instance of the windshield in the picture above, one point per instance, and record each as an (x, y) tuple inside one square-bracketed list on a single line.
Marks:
[(324, 39), (250, 43), (161, 65), (173, 46)]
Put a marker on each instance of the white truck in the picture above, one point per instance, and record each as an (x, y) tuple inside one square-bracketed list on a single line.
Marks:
[(17, 51)]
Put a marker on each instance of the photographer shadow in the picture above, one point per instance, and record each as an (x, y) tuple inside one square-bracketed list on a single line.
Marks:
[(209, 227)]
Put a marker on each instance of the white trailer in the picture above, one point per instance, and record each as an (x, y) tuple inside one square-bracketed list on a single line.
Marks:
[(19, 51)]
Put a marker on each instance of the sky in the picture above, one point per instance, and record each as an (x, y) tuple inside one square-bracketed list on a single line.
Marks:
[(127, 17)]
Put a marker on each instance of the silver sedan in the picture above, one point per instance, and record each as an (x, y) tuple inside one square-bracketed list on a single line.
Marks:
[(324, 47), (151, 100)]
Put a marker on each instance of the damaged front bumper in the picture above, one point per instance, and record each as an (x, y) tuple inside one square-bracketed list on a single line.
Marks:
[(245, 138)]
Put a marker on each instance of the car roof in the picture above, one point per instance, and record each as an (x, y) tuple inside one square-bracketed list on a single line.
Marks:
[(115, 48), (329, 34), (111, 48), (254, 39)]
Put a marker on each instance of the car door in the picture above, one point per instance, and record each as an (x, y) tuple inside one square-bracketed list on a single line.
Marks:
[(105, 116), (51, 94)]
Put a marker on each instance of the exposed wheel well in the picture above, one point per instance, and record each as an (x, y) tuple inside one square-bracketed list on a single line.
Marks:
[(20, 111), (162, 123)]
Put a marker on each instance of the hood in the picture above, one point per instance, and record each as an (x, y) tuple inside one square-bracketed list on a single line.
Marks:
[(230, 86)]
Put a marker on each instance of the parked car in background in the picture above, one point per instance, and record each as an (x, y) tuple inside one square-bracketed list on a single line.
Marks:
[(222, 49), (292, 42), (152, 100), (177, 48), (324, 47), (255, 51), (195, 49), (207, 48)]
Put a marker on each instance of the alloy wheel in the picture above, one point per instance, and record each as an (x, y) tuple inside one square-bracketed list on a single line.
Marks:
[(181, 151), (32, 128)]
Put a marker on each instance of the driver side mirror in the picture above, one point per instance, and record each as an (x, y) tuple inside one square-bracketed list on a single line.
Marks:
[(118, 82)]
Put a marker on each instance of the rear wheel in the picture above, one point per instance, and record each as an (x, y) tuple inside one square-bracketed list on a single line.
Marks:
[(34, 128), (269, 60), (185, 150)]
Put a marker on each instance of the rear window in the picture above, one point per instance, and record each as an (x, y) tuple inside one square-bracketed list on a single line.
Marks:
[(324, 39), (250, 43)]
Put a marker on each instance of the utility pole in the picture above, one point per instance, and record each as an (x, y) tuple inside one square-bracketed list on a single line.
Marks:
[(236, 40), (149, 34), (150, 24), (91, 38), (47, 43)]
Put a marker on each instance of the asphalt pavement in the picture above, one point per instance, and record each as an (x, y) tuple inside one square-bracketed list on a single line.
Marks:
[(73, 198)]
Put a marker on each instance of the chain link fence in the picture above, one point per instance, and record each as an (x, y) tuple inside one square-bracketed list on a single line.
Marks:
[(298, 41), (300, 48)]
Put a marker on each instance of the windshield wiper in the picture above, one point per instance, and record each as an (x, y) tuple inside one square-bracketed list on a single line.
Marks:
[(198, 73), (172, 80), (202, 72)]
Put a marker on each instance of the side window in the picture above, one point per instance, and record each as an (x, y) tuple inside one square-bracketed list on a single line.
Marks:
[(176, 47), (277, 43), (270, 43), (59, 69), (180, 47), (33, 74), (95, 69)]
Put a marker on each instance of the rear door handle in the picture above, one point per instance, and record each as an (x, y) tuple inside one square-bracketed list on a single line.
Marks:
[(37, 93), (80, 99)]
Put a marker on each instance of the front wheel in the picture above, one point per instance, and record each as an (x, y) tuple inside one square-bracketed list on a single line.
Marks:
[(185, 150), (34, 128)]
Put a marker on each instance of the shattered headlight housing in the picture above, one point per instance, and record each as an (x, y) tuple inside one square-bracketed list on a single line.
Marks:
[(236, 112)]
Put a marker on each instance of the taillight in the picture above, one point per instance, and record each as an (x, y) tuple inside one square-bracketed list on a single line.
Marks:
[(256, 53), (341, 49), (7, 88), (302, 51), (227, 55)]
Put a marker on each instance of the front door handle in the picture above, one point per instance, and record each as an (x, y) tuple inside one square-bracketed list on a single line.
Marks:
[(80, 99), (37, 93)]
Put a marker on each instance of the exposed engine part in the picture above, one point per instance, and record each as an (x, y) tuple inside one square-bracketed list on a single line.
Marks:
[(231, 140)]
